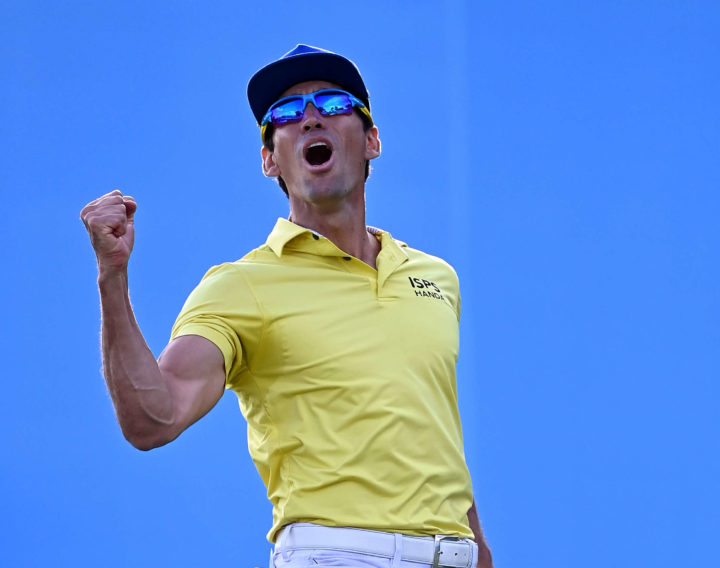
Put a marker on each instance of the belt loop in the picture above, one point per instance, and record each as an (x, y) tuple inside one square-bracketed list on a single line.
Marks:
[(436, 551), (397, 559), (474, 554)]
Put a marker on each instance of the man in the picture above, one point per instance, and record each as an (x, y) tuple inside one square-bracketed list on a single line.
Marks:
[(340, 342)]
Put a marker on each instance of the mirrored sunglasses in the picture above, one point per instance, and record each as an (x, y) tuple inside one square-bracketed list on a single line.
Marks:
[(328, 102)]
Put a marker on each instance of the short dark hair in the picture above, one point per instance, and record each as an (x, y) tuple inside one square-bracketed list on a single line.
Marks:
[(270, 145)]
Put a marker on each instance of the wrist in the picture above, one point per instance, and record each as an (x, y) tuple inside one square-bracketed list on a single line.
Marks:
[(111, 275)]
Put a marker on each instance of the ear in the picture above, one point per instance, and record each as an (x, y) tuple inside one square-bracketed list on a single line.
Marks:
[(270, 168), (372, 143)]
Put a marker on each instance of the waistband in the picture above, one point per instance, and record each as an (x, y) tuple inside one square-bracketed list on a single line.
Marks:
[(437, 551)]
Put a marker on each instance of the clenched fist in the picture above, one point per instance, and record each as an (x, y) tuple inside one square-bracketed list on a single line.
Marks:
[(109, 221)]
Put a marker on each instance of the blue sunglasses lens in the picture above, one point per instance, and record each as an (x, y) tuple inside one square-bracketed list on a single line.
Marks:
[(288, 111), (333, 103), (328, 103)]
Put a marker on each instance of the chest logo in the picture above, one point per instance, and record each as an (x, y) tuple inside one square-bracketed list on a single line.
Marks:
[(425, 288)]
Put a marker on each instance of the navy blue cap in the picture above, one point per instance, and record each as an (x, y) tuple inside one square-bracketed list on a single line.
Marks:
[(304, 63)]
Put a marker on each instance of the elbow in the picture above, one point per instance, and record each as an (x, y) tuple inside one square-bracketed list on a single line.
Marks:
[(145, 429), (146, 439), (142, 444)]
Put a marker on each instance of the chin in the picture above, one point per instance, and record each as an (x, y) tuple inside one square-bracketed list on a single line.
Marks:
[(326, 188)]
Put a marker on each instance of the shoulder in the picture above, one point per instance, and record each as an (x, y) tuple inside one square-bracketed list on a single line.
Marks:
[(421, 256), (230, 279), (252, 261), (416, 256), (432, 262)]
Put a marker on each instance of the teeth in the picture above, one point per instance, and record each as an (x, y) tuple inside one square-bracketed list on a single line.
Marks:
[(317, 144)]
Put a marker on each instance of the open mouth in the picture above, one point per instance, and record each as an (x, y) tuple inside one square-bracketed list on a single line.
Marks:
[(318, 153)]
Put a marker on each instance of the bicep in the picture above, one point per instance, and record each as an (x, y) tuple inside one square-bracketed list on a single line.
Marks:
[(194, 370)]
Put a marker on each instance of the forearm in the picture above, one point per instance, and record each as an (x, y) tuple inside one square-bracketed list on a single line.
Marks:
[(143, 401), (484, 555)]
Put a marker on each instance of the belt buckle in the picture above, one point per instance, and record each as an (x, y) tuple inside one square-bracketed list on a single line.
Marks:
[(436, 554)]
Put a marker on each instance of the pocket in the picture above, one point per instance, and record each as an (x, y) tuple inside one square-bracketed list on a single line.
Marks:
[(340, 559)]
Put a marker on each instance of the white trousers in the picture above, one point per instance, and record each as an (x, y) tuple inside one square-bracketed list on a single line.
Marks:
[(316, 558)]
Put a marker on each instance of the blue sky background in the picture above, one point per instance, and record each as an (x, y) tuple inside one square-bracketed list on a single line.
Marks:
[(564, 156)]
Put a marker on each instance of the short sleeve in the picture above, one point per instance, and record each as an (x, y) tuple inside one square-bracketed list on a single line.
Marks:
[(224, 310)]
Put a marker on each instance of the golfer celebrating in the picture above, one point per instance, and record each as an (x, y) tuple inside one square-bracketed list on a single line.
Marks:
[(340, 342)]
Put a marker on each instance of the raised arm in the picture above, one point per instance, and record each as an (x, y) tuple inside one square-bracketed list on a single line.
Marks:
[(154, 400)]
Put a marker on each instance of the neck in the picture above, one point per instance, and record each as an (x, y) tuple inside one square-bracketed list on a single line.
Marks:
[(343, 224)]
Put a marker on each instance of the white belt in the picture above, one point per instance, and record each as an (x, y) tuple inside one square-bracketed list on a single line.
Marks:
[(438, 551)]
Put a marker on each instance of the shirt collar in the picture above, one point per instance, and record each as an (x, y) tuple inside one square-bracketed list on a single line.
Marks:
[(283, 232), (286, 231)]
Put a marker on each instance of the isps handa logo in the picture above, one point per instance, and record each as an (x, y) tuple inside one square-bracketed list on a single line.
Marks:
[(425, 288)]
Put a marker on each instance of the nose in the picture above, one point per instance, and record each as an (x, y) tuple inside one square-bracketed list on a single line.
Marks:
[(311, 118)]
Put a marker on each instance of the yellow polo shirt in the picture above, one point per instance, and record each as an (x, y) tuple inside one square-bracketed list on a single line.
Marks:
[(346, 377)]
